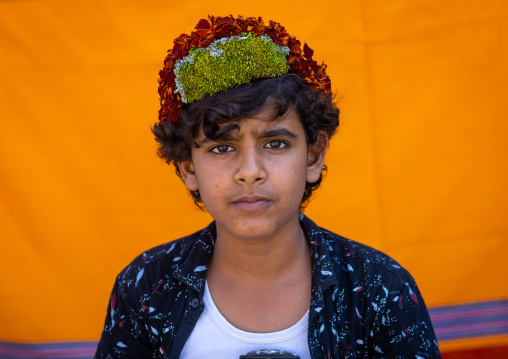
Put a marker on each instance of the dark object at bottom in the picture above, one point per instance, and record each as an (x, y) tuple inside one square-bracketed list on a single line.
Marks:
[(268, 354)]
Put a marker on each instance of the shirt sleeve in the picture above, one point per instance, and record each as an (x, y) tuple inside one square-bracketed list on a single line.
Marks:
[(124, 334), (405, 329)]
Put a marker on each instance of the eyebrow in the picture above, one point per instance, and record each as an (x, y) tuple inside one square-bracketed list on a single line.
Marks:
[(229, 136), (276, 132)]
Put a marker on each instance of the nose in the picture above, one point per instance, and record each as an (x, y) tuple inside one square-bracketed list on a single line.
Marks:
[(250, 168)]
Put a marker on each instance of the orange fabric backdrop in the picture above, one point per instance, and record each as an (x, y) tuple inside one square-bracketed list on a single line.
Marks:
[(418, 170)]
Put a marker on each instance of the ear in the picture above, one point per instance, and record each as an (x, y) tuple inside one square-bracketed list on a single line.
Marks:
[(316, 154), (188, 174)]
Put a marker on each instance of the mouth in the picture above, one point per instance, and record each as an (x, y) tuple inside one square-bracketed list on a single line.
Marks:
[(251, 203)]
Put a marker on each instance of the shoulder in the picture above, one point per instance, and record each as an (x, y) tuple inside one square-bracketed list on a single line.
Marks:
[(365, 291), (152, 295), (354, 259), (348, 252), (166, 259)]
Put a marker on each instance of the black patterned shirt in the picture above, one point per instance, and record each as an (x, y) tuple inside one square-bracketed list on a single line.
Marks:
[(363, 305)]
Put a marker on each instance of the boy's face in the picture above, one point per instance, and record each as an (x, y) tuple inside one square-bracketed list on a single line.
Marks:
[(252, 180)]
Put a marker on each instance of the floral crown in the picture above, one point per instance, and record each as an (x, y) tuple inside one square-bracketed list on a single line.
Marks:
[(225, 52)]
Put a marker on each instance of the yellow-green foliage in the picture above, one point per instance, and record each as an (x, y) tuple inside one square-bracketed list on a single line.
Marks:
[(227, 63)]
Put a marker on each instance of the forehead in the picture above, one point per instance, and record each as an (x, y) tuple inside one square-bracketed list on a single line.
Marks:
[(261, 124)]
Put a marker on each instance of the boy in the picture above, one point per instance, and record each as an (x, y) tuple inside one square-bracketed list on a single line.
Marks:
[(246, 118)]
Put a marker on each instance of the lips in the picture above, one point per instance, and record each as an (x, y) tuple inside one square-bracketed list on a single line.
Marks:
[(251, 203)]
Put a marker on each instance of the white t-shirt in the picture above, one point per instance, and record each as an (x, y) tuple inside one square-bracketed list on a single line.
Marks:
[(214, 337)]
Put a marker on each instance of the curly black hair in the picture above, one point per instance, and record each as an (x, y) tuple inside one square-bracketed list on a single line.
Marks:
[(286, 93)]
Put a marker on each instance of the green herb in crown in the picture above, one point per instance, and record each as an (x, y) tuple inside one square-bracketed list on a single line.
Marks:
[(227, 63)]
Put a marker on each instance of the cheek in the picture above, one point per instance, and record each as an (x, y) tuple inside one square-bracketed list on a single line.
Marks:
[(291, 176), (211, 182)]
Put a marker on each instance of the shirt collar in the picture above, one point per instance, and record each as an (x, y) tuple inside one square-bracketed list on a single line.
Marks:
[(195, 258), (323, 273)]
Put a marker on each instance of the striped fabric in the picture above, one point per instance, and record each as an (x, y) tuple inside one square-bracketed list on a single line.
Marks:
[(465, 321), (470, 320), (54, 350)]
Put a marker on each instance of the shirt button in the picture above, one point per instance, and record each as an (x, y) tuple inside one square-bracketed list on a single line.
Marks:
[(194, 303)]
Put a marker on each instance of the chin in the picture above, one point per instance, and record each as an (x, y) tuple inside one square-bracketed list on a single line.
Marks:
[(257, 228)]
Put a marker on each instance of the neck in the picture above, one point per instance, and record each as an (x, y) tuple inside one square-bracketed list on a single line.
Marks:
[(261, 260)]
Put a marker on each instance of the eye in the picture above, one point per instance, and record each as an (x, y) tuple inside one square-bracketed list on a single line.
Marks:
[(276, 144), (221, 149)]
